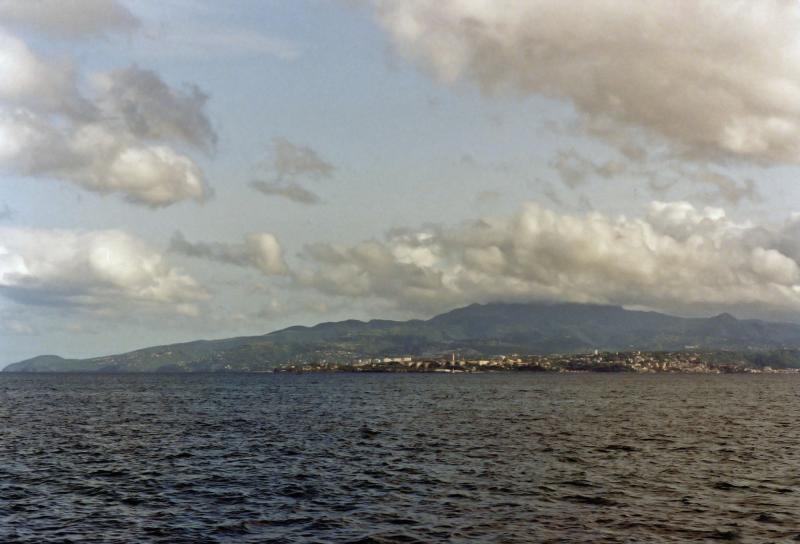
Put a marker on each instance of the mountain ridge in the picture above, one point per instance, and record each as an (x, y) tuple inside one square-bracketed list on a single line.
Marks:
[(477, 329)]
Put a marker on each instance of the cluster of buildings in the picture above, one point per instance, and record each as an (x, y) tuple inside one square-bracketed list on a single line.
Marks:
[(633, 361)]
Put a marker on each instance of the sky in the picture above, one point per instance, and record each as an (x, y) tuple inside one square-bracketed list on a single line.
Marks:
[(199, 169)]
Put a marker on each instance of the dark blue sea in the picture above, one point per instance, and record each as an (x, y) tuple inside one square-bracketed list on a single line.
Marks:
[(399, 458)]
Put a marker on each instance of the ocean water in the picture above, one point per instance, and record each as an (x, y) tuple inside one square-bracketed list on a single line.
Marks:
[(399, 458)]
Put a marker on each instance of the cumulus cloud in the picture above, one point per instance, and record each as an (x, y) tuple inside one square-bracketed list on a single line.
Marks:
[(715, 79), (676, 258), (98, 158), (28, 80), (69, 18), (292, 191), (103, 271), (371, 269), (119, 140), (259, 250), (289, 165)]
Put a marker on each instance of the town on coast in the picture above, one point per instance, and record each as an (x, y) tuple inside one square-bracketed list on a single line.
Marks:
[(688, 362)]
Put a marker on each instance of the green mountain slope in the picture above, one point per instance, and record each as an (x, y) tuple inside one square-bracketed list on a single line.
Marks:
[(477, 329)]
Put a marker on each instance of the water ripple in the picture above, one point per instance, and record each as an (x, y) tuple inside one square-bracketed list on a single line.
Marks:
[(397, 458)]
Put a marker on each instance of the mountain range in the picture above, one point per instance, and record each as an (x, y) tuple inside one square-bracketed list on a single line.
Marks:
[(479, 329)]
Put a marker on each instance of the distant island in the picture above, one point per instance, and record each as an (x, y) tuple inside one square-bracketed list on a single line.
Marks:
[(497, 336)]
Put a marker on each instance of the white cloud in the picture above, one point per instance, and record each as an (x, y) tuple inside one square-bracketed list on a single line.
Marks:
[(155, 176), (99, 159), (678, 258), (117, 141), (259, 250), (69, 18), (107, 272), (267, 253), (28, 80), (716, 79)]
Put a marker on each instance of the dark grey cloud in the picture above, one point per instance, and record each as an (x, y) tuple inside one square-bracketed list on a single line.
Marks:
[(660, 173), (726, 188), (290, 166), (151, 110), (574, 169), (291, 191), (292, 161)]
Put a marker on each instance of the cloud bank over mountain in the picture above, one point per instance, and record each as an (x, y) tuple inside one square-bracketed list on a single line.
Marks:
[(677, 257)]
